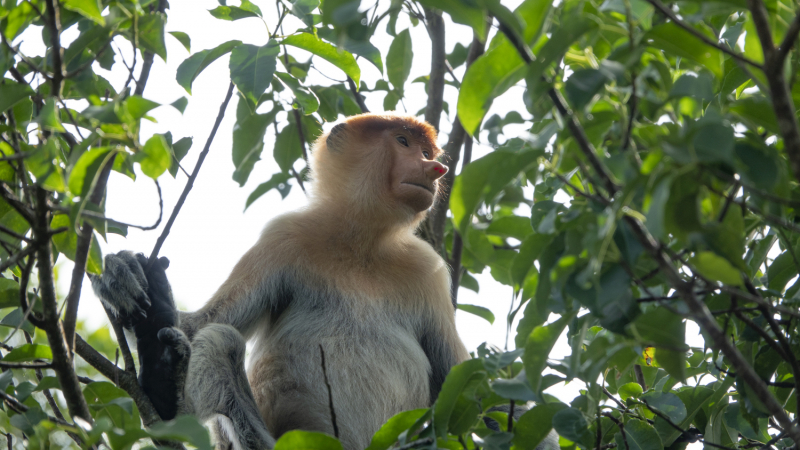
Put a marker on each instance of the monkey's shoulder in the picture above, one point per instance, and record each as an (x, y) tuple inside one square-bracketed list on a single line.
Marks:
[(403, 268)]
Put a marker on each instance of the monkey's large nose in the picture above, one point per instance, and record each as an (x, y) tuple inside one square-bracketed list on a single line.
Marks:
[(435, 170)]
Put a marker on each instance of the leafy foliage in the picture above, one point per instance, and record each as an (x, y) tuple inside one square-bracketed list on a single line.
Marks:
[(654, 184)]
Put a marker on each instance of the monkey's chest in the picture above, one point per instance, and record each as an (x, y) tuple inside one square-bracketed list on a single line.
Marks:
[(374, 363)]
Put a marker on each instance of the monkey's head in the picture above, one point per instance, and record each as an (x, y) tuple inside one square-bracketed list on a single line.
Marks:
[(383, 164)]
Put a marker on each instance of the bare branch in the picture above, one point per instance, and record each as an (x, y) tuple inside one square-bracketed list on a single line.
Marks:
[(190, 182), (29, 365), (788, 41), (779, 91), (358, 97), (435, 26), (62, 362)]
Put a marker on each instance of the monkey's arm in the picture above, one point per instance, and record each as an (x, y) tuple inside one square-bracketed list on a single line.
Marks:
[(444, 349)]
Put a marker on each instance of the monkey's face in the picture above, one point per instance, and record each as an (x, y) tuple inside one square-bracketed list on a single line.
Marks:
[(414, 172)]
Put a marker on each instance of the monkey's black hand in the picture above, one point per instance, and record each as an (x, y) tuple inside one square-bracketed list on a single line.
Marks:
[(139, 294), (163, 360), (123, 287)]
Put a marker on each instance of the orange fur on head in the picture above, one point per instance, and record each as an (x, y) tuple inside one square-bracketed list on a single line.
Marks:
[(350, 164)]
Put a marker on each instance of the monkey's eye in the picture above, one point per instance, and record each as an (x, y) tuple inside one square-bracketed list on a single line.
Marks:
[(402, 140), (426, 154)]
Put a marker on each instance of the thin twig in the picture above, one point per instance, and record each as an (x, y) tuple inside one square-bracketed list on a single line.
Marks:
[(621, 428), (788, 41), (330, 393), (22, 408), (30, 365), (190, 182), (359, 99), (14, 259)]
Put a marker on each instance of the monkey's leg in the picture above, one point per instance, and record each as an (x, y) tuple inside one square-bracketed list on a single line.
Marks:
[(216, 384)]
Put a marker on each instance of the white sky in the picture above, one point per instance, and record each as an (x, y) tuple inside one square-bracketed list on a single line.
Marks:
[(212, 231)]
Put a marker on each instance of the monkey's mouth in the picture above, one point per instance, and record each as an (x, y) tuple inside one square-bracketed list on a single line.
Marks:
[(427, 188)]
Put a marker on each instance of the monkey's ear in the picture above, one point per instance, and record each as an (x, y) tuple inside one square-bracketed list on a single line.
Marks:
[(335, 136)]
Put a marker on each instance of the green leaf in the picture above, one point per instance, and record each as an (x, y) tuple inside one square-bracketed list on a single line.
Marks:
[(572, 424), (9, 293), (231, 13), (90, 9), (18, 19), (639, 435), (716, 268), (288, 147), (180, 104), (185, 428), (478, 311), (307, 440), (699, 87), (12, 93), (151, 34), (485, 178), (399, 59), (154, 158), (84, 170), (489, 76), (138, 106), (183, 38), (179, 150), (465, 13), (193, 65), (676, 41), (14, 318), (667, 403), (534, 426), (391, 430), (48, 383), (629, 390), (28, 352), (537, 349), (277, 180), (782, 270), (452, 388), (248, 139), (534, 13), (328, 52), (49, 117), (305, 99), (252, 68)]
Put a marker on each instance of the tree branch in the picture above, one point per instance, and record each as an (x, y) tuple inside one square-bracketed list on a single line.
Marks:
[(435, 26), (435, 222), (782, 102), (358, 97), (671, 15), (788, 41), (81, 258), (127, 380), (62, 363), (190, 182)]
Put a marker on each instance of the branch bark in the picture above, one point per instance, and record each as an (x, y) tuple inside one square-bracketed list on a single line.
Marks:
[(435, 26), (779, 91), (62, 362), (435, 222), (127, 380)]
